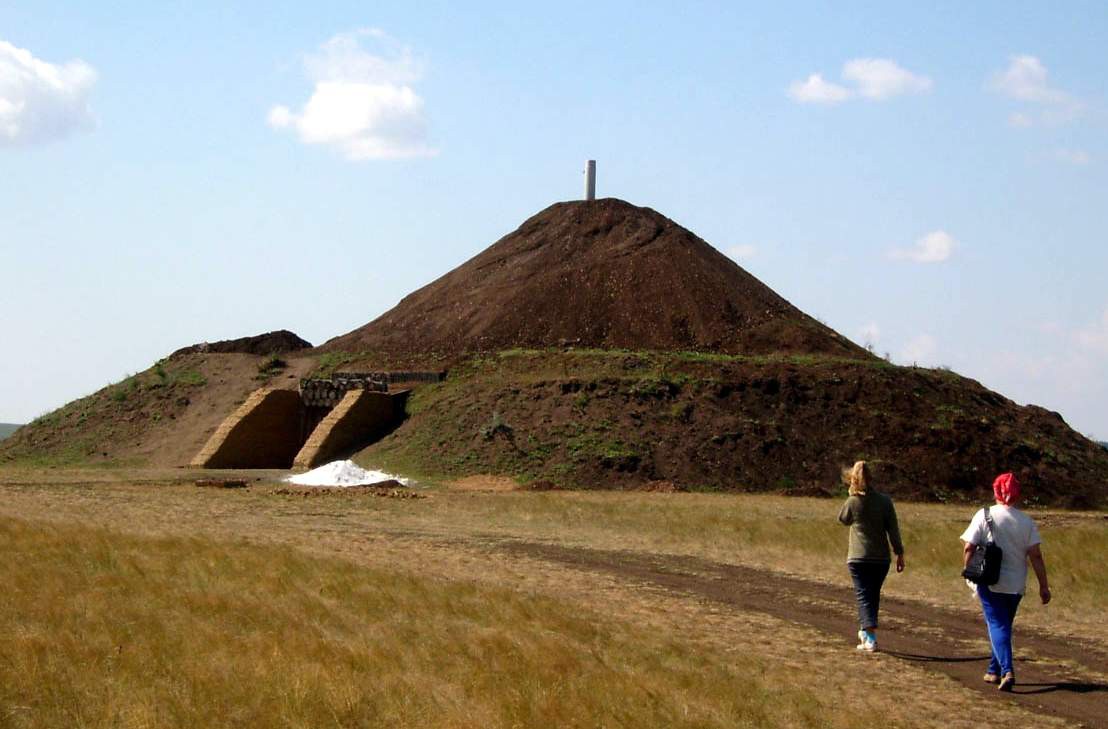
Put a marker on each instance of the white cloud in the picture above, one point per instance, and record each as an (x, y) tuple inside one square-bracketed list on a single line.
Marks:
[(881, 78), (363, 103), (935, 247), (1065, 369), (742, 252), (1094, 338), (919, 350), (1026, 80), (40, 101), (1078, 157), (814, 90), (342, 57), (875, 79)]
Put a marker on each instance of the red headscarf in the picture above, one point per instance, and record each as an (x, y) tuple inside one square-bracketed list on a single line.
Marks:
[(1006, 488)]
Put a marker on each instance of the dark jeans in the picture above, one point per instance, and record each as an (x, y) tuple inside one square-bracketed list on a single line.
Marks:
[(1000, 612), (868, 578)]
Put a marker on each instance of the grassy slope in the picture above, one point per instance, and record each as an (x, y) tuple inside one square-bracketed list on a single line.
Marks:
[(160, 416), (99, 629), (94, 426), (7, 429), (599, 418)]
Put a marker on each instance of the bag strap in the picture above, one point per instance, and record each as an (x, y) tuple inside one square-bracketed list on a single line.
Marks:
[(989, 526)]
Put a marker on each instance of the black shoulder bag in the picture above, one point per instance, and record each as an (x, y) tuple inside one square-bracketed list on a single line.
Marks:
[(984, 564)]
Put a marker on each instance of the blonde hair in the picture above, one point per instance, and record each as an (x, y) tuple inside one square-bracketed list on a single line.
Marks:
[(857, 478)]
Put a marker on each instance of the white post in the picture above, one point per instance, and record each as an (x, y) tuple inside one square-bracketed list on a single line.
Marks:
[(590, 180)]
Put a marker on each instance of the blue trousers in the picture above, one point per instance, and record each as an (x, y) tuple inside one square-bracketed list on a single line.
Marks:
[(1000, 612), (868, 578)]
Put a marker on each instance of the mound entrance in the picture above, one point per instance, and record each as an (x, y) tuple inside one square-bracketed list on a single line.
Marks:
[(323, 419)]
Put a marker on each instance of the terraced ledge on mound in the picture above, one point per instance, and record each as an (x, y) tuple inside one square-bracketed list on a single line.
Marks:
[(599, 419)]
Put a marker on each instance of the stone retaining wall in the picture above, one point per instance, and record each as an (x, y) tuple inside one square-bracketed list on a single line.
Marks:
[(414, 376), (360, 418), (329, 392), (264, 432)]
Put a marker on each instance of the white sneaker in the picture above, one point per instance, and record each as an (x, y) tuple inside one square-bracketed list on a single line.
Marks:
[(866, 642)]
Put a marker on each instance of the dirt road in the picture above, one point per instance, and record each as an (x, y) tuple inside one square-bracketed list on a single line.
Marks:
[(1059, 677)]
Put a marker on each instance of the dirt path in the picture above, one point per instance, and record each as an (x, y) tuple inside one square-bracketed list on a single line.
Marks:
[(1058, 677)]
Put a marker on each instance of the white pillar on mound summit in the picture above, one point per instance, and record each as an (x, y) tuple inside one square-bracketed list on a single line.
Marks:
[(590, 180)]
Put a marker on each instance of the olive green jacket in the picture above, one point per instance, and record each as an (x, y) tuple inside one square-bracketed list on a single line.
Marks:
[(872, 522)]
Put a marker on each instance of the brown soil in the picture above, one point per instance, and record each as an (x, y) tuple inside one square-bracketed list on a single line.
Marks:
[(483, 482), (602, 274), (278, 342), (221, 483), (660, 487), (385, 489)]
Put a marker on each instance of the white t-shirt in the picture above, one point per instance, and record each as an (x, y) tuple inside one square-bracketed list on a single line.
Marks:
[(1014, 532)]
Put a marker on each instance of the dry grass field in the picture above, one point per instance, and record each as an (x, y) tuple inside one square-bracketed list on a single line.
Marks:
[(101, 629), (136, 599)]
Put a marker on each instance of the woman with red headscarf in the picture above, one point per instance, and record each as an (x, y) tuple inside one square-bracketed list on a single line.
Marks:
[(1018, 537)]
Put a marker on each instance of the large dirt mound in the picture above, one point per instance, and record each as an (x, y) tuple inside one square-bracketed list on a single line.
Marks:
[(603, 274), (278, 342)]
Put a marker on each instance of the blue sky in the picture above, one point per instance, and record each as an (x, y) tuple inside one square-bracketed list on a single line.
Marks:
[(930, 179)]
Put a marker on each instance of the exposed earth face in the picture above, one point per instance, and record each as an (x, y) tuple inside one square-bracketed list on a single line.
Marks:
[(278, 342), (786, 424), (603, 274)]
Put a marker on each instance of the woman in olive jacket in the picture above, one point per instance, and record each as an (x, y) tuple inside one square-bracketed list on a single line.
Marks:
[(872, 521)]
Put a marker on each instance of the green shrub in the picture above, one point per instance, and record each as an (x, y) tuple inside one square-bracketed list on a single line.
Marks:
[(270, 367), (191, 378), (497, 426), (160, 373)]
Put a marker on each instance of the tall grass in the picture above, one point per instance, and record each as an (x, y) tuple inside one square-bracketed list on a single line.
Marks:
[(796, 535), (99, 629)]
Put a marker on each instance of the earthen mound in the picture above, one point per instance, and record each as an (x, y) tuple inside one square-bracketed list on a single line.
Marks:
[(277, 342), (667, 422), (603, 274)]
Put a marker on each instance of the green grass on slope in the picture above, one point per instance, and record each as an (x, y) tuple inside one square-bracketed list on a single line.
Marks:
[(83, 431), (444, 441), (100, 630)]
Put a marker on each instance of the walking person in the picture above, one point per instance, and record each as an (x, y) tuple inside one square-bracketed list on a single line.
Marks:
[(871, 517), (1017, 535)]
